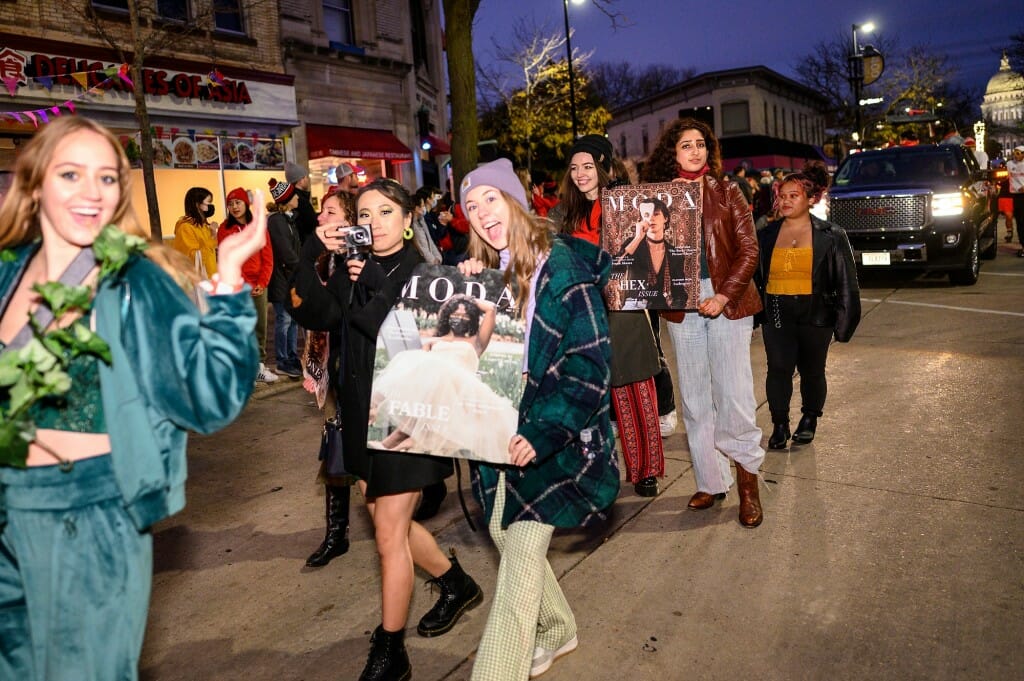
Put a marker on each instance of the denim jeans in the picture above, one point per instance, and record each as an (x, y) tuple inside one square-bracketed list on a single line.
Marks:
[(716, 384), (285, 337)]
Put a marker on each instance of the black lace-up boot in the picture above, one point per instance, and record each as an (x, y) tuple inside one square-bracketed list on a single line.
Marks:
[(459, 593), (388, 660)]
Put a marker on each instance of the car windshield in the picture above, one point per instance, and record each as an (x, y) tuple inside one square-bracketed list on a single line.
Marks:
[(899, 166)]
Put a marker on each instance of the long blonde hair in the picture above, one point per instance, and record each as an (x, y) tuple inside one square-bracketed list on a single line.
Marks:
[(19, 214), (529, 237)]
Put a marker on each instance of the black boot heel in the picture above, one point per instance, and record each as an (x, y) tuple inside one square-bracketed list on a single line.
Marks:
[(779, 436), (805, 429)]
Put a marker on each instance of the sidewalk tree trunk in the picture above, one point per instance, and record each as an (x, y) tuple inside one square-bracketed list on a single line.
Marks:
[(458, 28)]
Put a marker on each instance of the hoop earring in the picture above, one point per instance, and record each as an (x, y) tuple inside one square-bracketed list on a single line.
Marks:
[(407, 234)]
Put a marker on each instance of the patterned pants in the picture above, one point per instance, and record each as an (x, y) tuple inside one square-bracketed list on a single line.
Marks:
[(529, 608), (636, 413)]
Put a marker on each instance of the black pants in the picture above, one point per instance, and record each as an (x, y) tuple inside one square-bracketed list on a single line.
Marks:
[(1018, 215), (790, 343)]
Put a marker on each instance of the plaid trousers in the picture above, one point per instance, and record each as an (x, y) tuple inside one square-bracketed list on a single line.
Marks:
[(529, 608)]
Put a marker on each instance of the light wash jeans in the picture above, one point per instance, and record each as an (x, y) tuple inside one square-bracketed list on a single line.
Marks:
[(285, 337), (717, 388)]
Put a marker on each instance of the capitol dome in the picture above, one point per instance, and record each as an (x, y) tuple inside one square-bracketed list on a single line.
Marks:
[(1003, 106)]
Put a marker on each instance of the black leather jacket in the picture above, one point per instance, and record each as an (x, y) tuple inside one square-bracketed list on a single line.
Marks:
[(835, 293)]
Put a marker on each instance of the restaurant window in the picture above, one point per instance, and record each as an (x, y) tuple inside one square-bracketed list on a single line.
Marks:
[(735, 118), (419, 34), (175, 10), (227, 16), (338, 21)]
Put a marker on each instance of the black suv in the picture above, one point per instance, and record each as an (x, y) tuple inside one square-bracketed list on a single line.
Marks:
[(919, 207)]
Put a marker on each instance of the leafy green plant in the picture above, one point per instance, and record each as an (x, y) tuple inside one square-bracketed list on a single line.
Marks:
[(38, 370)]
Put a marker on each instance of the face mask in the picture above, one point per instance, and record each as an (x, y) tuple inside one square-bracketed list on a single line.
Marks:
[(460, 326), (208, 211)]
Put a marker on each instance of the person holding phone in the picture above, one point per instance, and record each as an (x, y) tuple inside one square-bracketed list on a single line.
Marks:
[(351, 305)]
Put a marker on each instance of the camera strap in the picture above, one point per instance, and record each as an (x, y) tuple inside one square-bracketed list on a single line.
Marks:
[(74, 275)]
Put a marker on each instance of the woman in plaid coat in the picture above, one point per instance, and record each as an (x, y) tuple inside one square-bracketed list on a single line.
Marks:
[(563, 471)]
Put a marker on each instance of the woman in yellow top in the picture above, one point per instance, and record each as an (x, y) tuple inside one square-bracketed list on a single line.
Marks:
[(808, 284), (194, 233)]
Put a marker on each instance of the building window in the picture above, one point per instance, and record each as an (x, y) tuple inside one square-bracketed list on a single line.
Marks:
[(643, 139), (792, 123), (765, 117), (783, 123), (111, 4), (419, 34), (338, 21), (227, 16), (735, 118), (622, 145), (175, 10)]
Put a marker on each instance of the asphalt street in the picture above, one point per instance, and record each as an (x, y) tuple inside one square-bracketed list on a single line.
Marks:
[(892, 546)]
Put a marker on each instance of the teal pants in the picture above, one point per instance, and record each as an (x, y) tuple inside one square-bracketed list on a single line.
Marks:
[(75, 576)]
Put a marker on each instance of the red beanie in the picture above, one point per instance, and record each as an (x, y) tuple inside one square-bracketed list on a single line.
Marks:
[(240, 194)]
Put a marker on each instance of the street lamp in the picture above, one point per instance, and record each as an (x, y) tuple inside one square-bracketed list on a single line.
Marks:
[(855, 63), (572, 78)]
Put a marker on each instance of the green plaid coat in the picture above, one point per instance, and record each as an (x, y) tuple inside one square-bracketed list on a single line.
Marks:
[(567, 390)]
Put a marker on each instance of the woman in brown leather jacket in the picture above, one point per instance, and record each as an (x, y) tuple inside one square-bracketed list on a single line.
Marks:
[(712, 343)]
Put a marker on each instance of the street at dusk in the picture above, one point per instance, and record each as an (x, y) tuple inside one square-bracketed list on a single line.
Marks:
[(891, 546)]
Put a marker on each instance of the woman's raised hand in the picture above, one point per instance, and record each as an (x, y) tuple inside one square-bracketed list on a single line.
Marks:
[(237, 248)]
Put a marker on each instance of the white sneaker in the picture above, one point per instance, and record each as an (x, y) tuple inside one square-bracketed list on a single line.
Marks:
[(265, 375), (668, 423), (544, 658)]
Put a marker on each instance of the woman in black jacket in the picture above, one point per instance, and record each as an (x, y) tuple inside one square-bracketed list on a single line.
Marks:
[(808, 282), (352, 305)]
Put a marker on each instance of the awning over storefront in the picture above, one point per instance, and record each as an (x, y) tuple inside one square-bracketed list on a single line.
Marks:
[(438, 145), (330, 140)]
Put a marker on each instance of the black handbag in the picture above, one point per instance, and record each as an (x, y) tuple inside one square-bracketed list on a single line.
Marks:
[(332, 452)]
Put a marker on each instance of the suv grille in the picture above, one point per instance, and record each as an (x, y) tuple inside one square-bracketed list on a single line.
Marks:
[(888, 213)]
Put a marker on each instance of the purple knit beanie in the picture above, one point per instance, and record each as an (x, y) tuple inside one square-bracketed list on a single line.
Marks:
[(498, 174)]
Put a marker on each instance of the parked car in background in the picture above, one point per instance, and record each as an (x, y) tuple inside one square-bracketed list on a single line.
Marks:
[(915, 208)]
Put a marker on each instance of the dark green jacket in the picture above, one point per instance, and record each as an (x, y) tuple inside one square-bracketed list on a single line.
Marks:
[(567, 391), (174, 370)]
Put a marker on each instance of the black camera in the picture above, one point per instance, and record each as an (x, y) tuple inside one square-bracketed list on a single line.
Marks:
[(358, 241)]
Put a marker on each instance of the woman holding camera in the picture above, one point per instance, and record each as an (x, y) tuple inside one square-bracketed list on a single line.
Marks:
[(352, 305)]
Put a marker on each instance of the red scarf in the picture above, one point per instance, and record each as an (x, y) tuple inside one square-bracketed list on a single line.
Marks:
[(687, 175), (590, 229)]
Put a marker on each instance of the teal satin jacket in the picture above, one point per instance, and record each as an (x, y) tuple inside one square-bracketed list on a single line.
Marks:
[(174, 369)]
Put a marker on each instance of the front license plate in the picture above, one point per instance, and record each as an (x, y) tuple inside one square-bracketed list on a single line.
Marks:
[(875, 258)]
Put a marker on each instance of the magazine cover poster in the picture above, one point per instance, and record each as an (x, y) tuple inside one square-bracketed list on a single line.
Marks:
[(448, 374), (652, 232)]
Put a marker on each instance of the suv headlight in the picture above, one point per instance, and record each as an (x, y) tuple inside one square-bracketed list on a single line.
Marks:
[(947, 204)]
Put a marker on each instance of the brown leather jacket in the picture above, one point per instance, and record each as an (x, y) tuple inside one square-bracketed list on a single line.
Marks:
[(730, 242)]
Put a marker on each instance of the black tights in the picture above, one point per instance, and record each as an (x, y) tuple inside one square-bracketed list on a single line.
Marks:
[(791, 344)]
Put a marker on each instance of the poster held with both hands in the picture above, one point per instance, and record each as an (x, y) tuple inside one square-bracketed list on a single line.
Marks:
[(652, 232), (448, 373)]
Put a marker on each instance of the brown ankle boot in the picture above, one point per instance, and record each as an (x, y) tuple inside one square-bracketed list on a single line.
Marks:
[(750, 501)]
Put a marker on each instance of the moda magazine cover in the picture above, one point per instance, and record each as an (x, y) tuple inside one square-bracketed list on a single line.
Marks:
[(652, 232), (448, 374)]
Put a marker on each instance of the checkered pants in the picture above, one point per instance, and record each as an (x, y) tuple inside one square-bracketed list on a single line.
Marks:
[(529, 608)]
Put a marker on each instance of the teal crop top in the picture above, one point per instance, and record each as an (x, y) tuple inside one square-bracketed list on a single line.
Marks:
[(80, 409)]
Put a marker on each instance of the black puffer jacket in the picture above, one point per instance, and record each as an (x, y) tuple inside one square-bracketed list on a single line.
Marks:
[(835, 292)]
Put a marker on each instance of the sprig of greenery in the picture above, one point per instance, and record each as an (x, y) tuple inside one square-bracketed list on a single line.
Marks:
[(38, 371)]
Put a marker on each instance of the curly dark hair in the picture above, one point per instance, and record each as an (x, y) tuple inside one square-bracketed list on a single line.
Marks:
[(813, 178), (472, 310), (661, 165)]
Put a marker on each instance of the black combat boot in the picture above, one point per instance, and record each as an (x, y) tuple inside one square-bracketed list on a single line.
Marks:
[(336, 540), (805, 429), (779, 436), (388, 660), (459, 593)]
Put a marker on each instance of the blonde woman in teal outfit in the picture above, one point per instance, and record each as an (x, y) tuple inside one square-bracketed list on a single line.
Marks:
[(106, 459)]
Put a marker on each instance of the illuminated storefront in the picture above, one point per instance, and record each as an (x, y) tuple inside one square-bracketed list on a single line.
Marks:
[(217, 128)]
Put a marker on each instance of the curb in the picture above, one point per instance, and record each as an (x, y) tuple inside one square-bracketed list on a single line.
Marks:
[(283, 384)]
